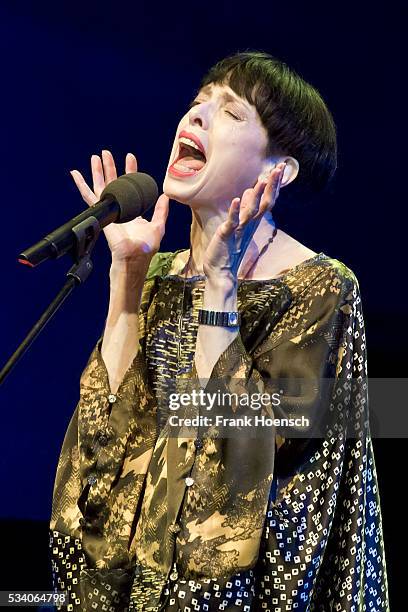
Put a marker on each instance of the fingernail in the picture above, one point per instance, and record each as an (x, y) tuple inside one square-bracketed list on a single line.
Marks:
[(281, 175)]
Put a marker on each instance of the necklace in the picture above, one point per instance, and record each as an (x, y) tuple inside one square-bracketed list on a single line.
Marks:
[(180, 320)]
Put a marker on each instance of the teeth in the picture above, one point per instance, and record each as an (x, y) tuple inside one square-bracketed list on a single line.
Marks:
[(189, 142)]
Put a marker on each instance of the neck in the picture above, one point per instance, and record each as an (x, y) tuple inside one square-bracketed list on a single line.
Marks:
[(203, 227)]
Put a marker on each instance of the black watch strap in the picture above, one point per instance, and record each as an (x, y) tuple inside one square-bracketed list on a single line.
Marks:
[(223, 319)]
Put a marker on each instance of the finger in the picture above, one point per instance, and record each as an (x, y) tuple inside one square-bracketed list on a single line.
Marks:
[(85, 191), (109, 167), (161, 210), (130, 163), (252, 201), (280, 179), (259, 192), (234, 210), (271, 192), (232, 221), (98, 177), (268, 194)]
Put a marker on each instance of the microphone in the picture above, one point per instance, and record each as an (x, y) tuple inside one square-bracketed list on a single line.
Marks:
[(121, 201)]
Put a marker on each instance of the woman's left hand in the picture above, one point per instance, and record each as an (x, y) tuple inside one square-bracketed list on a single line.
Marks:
[(227, 248)]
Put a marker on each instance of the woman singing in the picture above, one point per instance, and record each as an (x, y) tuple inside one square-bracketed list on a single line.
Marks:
[(274, 518)]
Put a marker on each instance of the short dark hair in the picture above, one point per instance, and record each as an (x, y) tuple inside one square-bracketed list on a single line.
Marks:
[(293, 112)]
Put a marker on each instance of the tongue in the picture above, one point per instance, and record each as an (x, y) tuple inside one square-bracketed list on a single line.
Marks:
[(192, 163)]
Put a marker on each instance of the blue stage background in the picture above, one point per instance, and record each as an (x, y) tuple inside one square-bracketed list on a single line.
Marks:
[(78, 77)]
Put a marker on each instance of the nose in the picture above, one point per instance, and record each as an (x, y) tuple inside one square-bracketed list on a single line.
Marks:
[(198, 116)]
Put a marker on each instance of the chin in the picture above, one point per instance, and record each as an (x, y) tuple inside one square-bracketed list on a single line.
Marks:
[(171, 191), (175, 190)]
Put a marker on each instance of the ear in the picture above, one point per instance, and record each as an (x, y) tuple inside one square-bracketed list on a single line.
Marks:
[(291, 169)]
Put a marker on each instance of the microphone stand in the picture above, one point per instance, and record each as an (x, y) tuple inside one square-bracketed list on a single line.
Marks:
[(86, 233)]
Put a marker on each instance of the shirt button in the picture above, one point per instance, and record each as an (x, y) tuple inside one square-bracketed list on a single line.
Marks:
[(173, 576), (189, 481), (198, 443), (88, 526), (112, 398), (103, 439), (92, 479)]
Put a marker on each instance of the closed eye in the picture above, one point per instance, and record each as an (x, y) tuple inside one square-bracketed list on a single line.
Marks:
[(232, 115), (195, 103)]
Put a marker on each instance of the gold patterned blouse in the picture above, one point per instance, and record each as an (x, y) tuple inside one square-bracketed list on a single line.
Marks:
[(289, 519)]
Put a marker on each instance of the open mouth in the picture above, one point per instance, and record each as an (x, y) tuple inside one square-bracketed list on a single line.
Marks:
[(190, 159)]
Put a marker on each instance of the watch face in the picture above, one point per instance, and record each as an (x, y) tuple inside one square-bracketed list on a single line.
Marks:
[(232, 318)]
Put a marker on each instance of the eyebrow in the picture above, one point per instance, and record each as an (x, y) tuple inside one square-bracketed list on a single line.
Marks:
[(226, 96)]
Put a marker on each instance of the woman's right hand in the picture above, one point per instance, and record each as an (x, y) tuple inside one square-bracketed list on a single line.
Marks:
[(134, 239)]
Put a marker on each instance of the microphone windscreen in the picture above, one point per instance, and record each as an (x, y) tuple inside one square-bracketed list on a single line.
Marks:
[(135, 193)]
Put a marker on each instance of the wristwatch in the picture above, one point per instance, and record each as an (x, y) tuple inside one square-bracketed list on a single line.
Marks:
[(224, 319)]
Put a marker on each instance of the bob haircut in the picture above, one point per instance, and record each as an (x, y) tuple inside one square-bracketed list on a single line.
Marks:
[(296, 118)]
